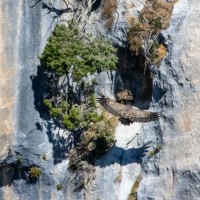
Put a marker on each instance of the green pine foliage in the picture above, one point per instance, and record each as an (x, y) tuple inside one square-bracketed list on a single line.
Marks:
[(92, 100), (158, 23), (73, 119), (68, 50), (47, 103), (104, 137), (35, 172), (92, 116)]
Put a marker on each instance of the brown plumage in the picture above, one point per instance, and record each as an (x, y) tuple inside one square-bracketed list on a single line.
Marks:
[(126, 112), (124, 94)]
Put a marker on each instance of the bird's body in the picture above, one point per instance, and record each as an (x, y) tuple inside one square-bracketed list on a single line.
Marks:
[(124, 96), (127, 112)]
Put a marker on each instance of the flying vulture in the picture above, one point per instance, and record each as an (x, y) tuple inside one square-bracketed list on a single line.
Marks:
[(126, 113)]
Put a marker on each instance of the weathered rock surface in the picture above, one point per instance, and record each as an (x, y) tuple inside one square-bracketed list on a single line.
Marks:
[(178, 163), (25, 27), (172, 174)]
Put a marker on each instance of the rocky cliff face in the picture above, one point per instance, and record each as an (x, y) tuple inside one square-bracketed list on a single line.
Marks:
[(178, 164), (169, 169), (25, 27)]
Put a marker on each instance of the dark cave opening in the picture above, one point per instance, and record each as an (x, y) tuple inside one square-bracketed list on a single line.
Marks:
[(133, 76)]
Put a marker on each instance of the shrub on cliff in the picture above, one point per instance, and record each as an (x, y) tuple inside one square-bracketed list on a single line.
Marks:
[(108, 12), (68, 50), (35, 172), (95, 142), (144, 31), (104, 136)]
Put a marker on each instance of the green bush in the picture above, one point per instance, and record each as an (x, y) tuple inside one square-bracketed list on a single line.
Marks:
[(59, 187), (91, 100), (73, 119), (155, 151), (158, 23), (44, 157), (104, 137), (76, 117), (92, 116), (95, 142), (68, 49), (47, 103), (55, 112), (35, 172)]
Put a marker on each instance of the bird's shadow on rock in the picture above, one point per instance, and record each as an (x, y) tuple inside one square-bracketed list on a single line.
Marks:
[(123, 156)]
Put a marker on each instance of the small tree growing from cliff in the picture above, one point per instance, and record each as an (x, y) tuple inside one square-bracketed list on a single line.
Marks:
[(35, 172), (68, 51), (69, 58), (144, 31)]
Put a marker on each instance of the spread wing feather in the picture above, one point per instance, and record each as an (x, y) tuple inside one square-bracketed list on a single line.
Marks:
[(126, 111)]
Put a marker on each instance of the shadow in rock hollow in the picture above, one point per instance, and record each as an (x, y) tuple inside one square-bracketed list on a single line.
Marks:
[(13, 172), (135, 77), (10, 173), (123, 156)]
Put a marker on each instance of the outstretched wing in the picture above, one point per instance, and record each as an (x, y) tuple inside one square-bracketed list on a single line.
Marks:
[(110, 105), (137, 115), (126, 111)]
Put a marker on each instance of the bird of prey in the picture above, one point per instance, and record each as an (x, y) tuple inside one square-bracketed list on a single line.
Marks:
[(126, 113)]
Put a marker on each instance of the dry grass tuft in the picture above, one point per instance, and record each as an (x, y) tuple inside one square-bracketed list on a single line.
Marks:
[(108, 12), (158, 9), (133, 194), (160, 54), (136, 32), (154, 17)]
